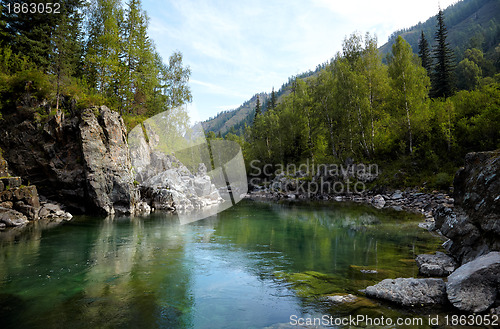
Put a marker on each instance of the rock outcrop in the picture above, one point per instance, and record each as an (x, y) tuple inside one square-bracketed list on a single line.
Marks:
[(165, 182), (474, 287), (107, 167), (410, 291), (473, 226), (80, 160), (20, 204)]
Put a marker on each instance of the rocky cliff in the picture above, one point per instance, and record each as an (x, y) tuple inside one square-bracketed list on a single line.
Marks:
[(473, 225), (80, 160), (165, 182)]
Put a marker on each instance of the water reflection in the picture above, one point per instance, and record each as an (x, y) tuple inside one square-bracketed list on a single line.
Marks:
[(154, 272)]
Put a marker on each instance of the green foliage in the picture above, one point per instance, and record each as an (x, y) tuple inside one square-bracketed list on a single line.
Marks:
[(45, 59), (424, 53), (410, 85), (443, 181), (359, 108), (468, 75)]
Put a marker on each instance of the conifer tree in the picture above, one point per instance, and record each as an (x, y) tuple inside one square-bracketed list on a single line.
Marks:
[(424, 53), (442, 78), (273, 100), (257, 108), (30, 34), (67, 46), (141, 71)]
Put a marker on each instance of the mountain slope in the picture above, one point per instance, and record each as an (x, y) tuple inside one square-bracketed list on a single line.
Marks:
[(470, 23)]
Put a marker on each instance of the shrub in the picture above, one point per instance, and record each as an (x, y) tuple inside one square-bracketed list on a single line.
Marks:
[(443, 181)]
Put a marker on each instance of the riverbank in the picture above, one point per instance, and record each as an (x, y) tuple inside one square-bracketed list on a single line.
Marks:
[(470, 220), (409, 200)]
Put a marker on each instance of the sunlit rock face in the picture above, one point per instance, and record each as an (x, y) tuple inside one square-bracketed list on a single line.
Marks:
[(178, 170), (107, 165)]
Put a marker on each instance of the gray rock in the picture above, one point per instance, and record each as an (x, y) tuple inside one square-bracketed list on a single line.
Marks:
[(53, 211), (107, 162), (473, 287), (410, 291), (397, 195), (12, 218), (81, 161), (378, 201), (439, 264), (29, 211), (143, 208)]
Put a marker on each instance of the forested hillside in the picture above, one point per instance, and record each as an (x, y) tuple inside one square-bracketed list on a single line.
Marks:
[(234, 121), (471, 24), (417, 123), (74, 54)]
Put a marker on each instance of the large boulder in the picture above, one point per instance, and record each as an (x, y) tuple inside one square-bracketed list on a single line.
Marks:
[(410, 291), (439, 264), (474, 287)]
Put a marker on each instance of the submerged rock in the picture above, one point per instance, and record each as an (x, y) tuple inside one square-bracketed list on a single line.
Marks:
[(439, 264), (410, 291), (473, 287), (339, 299)]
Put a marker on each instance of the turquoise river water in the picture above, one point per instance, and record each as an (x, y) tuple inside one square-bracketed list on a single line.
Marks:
[(256, 265)]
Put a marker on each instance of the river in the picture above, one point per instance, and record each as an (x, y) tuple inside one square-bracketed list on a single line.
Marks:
[(255, 265)]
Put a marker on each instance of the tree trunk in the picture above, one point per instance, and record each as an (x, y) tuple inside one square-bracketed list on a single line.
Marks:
[(407, 114)]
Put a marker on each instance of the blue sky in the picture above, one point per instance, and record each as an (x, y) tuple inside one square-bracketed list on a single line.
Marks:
[(239, 48)]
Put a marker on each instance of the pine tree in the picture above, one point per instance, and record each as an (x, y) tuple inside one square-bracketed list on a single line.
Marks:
[(442, 78), (273, 100), (257, 108), (30, 34), (67, 46), (141, 70), (424, 53)]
